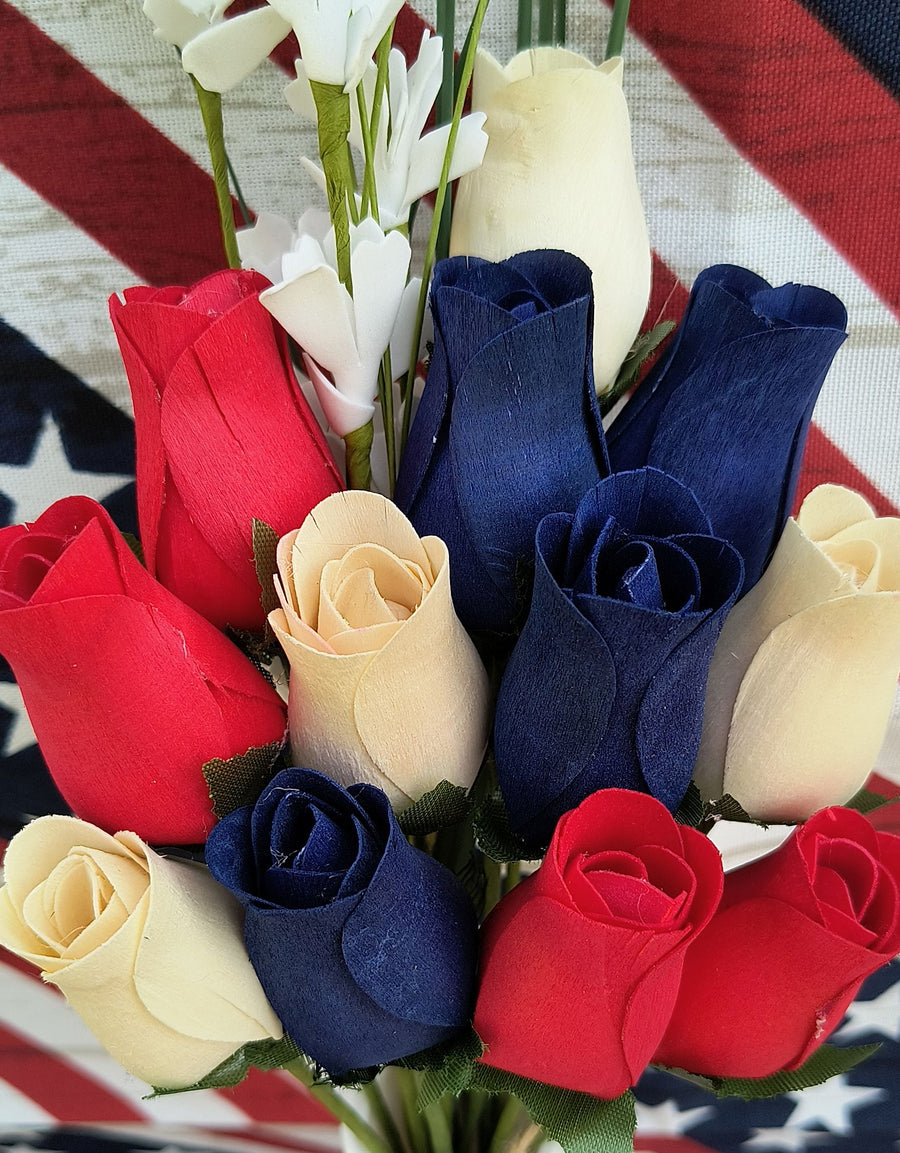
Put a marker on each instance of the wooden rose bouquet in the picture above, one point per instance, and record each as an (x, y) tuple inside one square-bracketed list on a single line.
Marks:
[(419, 804)]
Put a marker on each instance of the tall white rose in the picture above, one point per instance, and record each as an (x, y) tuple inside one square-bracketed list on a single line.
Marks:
[(385, 685), (804, 674), (558, 173), (147, 950)]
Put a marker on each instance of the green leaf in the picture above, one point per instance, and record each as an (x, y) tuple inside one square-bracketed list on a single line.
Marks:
[(493, 834), (444, 805), (691, 810), (263, 1055), (352, 1079), (826, 1062), (726, 808), (643, 348), (579, 1122), (448, 1068), (135, 545), (239, 781), (867, 802), (265, 544)]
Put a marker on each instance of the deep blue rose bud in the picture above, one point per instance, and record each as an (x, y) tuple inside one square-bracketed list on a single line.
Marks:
[(606, 685), (508, 428), (727, 408), (365, 946)]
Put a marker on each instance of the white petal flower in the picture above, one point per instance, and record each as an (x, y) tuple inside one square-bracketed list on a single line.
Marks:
[(407, 164), (262, 246), (227, 52), (343, 338)]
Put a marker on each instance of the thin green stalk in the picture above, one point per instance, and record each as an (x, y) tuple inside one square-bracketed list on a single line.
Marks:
[(559, 31), (509, 1121), (524, 24), (445, 26), (385, 1117), (439, 198), (211, 111), (369, 204), (238, 194), (439, 1132), (335, 1103), (386, 395), (493, 887), (513, 876), (382, 78), (545, 21), (333, 122), (617, 29), (416, 1128)]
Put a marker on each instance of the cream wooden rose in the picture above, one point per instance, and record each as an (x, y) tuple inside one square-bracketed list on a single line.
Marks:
[(805, 670), (385, 685), (147, 950), (558, 173)]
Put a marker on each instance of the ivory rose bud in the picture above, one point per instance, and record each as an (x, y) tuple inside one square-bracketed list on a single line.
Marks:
[(558, 173), (804, 673), (147, 950), (385, 685)]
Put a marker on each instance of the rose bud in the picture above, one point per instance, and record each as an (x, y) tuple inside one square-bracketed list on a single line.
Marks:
[(508, 428), (605, 686), (796, 934), (558, 173), (129, 691), (385, 685), (365, 946), (803, 678), (224, 435), (147, 950), (726, 409), (581, 962)]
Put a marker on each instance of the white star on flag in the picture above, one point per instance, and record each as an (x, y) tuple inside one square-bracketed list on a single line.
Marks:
[(666, 1117), (20, 734), (832, 1104), (48, 476), (880, 1015), (783, 1140)]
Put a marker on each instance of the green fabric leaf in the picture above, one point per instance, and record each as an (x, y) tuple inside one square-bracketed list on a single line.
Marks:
[(263, 1055), (867, 802), (826, 1062), (265, 543), (444, 805), (643, 348), (359, 452), (691, 810), (449, 1068), (135, 545), (493, 834), (579, 1122), (239, 781)]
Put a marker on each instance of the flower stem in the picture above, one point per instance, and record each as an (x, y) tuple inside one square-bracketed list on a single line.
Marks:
[(382, 78), (386, 395), (335, 1103), (385, 1117), (439, 1130), (524, 24), (616, 36), (333, 123), (508, 1122), (369, 203), (439, 198), (559, 30), (211, 111), (415, 1124), (443, 106), (545, 21), (359, 454)]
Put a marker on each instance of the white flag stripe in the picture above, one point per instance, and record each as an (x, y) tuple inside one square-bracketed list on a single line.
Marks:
[(40, 1014), (18, 1109), (56, 281)]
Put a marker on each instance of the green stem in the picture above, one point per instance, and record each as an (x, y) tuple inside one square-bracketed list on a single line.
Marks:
[(439, 1132), (416, 1129), (559, 31), (333, 122), (508, 1122), (359, 454), (386, 394), (493, 888), (617, 29), (524, 25), (238, 194), (513, 876), (335, 1104), (545, 21), (382, 75), (369, 191), (445, 26), (385, 1117), (439, 198), (211, 111)]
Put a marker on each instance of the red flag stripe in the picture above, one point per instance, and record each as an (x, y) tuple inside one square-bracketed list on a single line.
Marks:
[(276, 1097), (802, 109), (56, 1086), (141, 197)]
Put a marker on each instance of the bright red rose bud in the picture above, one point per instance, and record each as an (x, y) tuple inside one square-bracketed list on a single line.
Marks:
[(581, 963), (129, 691), (796, 934), (224, 435)]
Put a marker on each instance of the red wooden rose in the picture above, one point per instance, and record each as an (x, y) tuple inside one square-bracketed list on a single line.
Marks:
[(581, 962), (129, 690), (794, 937), (223, 435)]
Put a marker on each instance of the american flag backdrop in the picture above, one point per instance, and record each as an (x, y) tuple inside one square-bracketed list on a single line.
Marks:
[(766, 133)]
